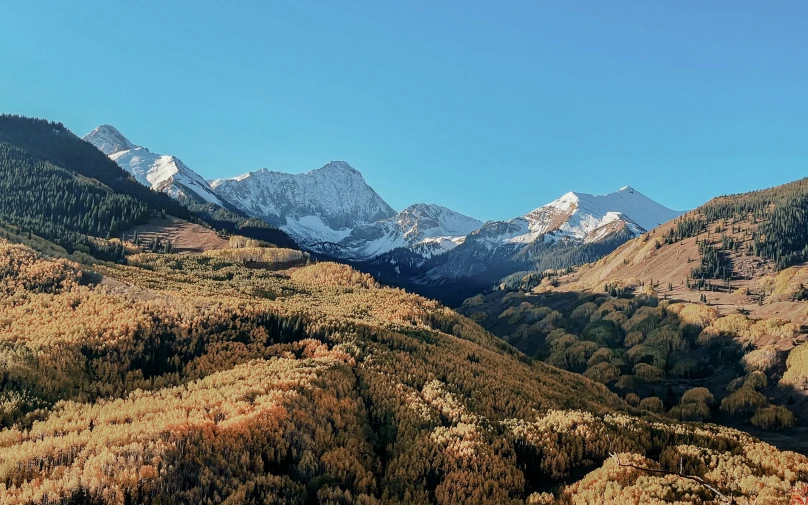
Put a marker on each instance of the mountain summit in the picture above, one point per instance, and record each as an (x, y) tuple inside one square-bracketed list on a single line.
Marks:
[(164, 173), (108, 140), (323, 205), (584, 216)]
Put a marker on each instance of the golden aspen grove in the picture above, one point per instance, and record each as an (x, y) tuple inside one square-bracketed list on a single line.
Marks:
[(194, 379)]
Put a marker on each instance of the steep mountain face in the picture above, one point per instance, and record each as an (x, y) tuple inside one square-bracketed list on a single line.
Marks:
[(164, 173), (424, 228), (574, 229), (324, 205)]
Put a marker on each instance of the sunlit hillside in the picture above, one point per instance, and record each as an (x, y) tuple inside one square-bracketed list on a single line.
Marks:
[(148, 357), (745, 250), (193, 379)]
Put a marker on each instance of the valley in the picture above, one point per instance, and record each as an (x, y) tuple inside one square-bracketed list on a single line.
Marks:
[(171, 359), (404, 253)]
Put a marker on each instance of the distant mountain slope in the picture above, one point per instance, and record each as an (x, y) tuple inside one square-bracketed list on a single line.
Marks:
[(323, 205), (426, 229), (587, 217), (169, 175), (574, 229), (164, 173)]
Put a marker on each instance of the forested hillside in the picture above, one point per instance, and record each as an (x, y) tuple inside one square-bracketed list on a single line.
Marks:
[(247, 375), (64, 189), (314, 385), (736, 252), (750, 373), (777, 220)]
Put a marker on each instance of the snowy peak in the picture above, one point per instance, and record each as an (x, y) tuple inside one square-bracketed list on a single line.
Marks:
[(164, 173), (338, 167), (582, 213), (430, 220), (108, 140), (579, 217), (323, 205)]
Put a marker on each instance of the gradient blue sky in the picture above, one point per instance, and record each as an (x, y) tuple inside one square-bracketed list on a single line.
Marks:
[(489, 110)]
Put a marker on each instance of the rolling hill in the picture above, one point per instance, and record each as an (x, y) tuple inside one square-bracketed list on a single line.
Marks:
[(245, 375)]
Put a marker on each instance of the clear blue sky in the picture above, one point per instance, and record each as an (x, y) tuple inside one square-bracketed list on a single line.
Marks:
[(489, 110)]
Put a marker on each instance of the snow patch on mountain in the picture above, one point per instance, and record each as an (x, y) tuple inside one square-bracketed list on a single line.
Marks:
[(164, 173), (425, 228)]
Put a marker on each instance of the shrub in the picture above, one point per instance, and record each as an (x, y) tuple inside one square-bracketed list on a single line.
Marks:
[(648, 373), (667, 338), (745, 401), (540, 499), (474, 301), (333, 274), (797, 367), (628, 382), (602, 355), (683, 367), (694, 314), (266, 255), (644, 352), (773, 418), (634, 338), (736, 325), (584, 312), (603, 373), (559, 339), (735, 384), (779, 328), (762, 359), (756, 381), (632, 399), (698, 395), (580, 352), (695, 411), (652, 404), (604, 331)]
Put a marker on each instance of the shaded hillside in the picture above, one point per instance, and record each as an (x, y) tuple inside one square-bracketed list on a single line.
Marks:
[(64, 189), (653, 351), (312, 385)]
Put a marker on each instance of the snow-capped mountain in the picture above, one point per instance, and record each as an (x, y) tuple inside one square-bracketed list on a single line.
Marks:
[(426, 229), (334, 212), (324, 205), (582, 217), (574, 229), (164, 173)]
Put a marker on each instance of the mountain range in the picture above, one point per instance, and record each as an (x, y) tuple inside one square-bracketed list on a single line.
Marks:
[(243, 372), (333, 212)]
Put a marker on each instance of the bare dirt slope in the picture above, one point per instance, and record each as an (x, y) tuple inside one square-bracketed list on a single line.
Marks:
[(186, 237)]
